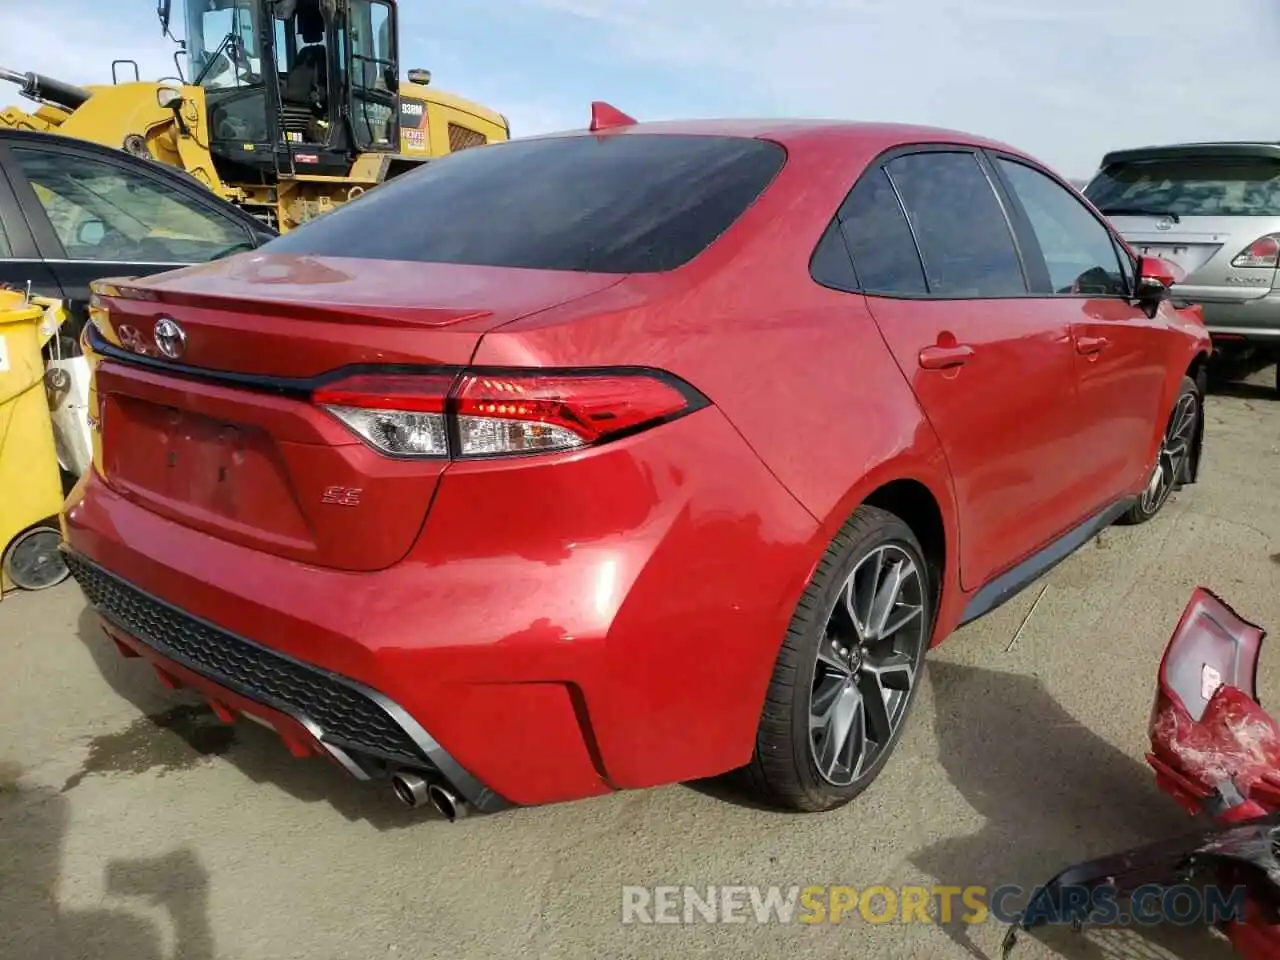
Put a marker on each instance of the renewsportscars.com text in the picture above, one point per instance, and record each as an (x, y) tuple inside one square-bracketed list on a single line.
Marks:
[(1104, 905)]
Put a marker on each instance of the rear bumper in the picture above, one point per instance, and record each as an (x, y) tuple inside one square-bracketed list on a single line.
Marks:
[(314, 711), (1254, 320), (605, 620)]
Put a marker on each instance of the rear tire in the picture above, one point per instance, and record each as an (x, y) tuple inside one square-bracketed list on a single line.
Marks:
[(848, 672), (1173, 462)]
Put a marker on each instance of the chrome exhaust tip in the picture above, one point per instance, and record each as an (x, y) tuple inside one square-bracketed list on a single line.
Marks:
[(410, 789), (446, 803)]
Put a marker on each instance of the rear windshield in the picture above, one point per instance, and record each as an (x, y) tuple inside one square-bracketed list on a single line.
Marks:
[(1208, 187), (636, 203)]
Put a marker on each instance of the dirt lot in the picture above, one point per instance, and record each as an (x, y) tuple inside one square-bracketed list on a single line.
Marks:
[(133, 826)]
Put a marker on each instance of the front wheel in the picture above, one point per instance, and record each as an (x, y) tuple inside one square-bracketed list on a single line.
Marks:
[(849, 668), (1173, 463)]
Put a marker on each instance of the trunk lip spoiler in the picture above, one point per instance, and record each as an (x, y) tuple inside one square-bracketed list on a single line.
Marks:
[(304, 386)]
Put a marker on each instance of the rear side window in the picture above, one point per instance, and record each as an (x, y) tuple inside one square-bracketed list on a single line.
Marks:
[(1189, 187), (830, 264), (879, 239), (635, 203), (959, 225)]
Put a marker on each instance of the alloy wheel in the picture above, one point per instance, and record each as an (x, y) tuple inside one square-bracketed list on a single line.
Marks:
[(866, 665), (1175, 452)]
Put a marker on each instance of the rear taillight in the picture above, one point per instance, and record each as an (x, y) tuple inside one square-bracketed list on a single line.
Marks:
[(502, 412), (1263, 252), (399, 414)]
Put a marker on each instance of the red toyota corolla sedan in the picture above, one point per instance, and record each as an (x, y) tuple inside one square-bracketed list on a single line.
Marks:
[(626, 456)]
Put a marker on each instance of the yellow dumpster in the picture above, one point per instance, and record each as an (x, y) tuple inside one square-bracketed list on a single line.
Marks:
[(30, 481)]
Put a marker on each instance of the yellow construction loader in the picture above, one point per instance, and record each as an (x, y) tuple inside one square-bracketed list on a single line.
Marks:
[(285, 107)]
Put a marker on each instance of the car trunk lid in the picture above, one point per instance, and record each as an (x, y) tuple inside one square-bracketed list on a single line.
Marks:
[(1203, 247), (1188, 243), (222, 435)]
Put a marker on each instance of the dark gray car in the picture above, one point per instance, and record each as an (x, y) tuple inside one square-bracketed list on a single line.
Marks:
[(72, 212)]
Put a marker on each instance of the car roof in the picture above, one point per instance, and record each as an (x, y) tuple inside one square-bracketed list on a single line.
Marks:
[(174, 175), (835, 132)]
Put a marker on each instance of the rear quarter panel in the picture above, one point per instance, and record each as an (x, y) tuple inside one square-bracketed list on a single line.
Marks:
[(800, 370)]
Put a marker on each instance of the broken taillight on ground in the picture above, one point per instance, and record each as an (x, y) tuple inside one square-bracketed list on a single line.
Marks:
[(1213, 747), (1215, 751)]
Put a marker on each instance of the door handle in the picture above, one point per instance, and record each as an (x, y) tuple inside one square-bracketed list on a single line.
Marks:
[(1089, 345), (943, 358)]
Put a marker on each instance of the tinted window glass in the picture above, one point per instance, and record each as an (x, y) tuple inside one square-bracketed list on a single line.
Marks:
[(831, 265), (636, 203), (963, 236), (1078, 250), (1208, 187), (109, 212), (884, 255)]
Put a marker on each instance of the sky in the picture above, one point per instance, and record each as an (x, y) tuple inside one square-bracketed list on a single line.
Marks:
[(1065, 81)]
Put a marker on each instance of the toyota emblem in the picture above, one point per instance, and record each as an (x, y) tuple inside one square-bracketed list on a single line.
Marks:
[(171, 339), (1164, 223)]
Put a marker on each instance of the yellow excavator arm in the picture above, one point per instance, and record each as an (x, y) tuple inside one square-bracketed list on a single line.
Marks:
[(127, 116)]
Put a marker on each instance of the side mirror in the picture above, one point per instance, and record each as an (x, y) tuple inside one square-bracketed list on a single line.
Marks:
[(90, 233), (1154, 278)]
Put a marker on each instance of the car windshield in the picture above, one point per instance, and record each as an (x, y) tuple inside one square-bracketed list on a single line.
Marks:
[(223, 49), (1189, 187), (630, 203)]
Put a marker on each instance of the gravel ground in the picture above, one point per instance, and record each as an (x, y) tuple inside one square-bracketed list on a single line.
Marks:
[(134, 826)]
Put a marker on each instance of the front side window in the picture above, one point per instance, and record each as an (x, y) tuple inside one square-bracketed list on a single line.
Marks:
[(103, 211), (1189, 187), (875, 228), (1078, 250), (632, 203), (964, 238)]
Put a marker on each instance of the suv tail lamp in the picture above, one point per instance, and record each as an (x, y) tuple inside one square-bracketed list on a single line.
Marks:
[(502, 412), (1263, 252)]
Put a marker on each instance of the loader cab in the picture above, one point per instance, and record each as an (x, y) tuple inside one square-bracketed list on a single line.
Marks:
[(295, 86)]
